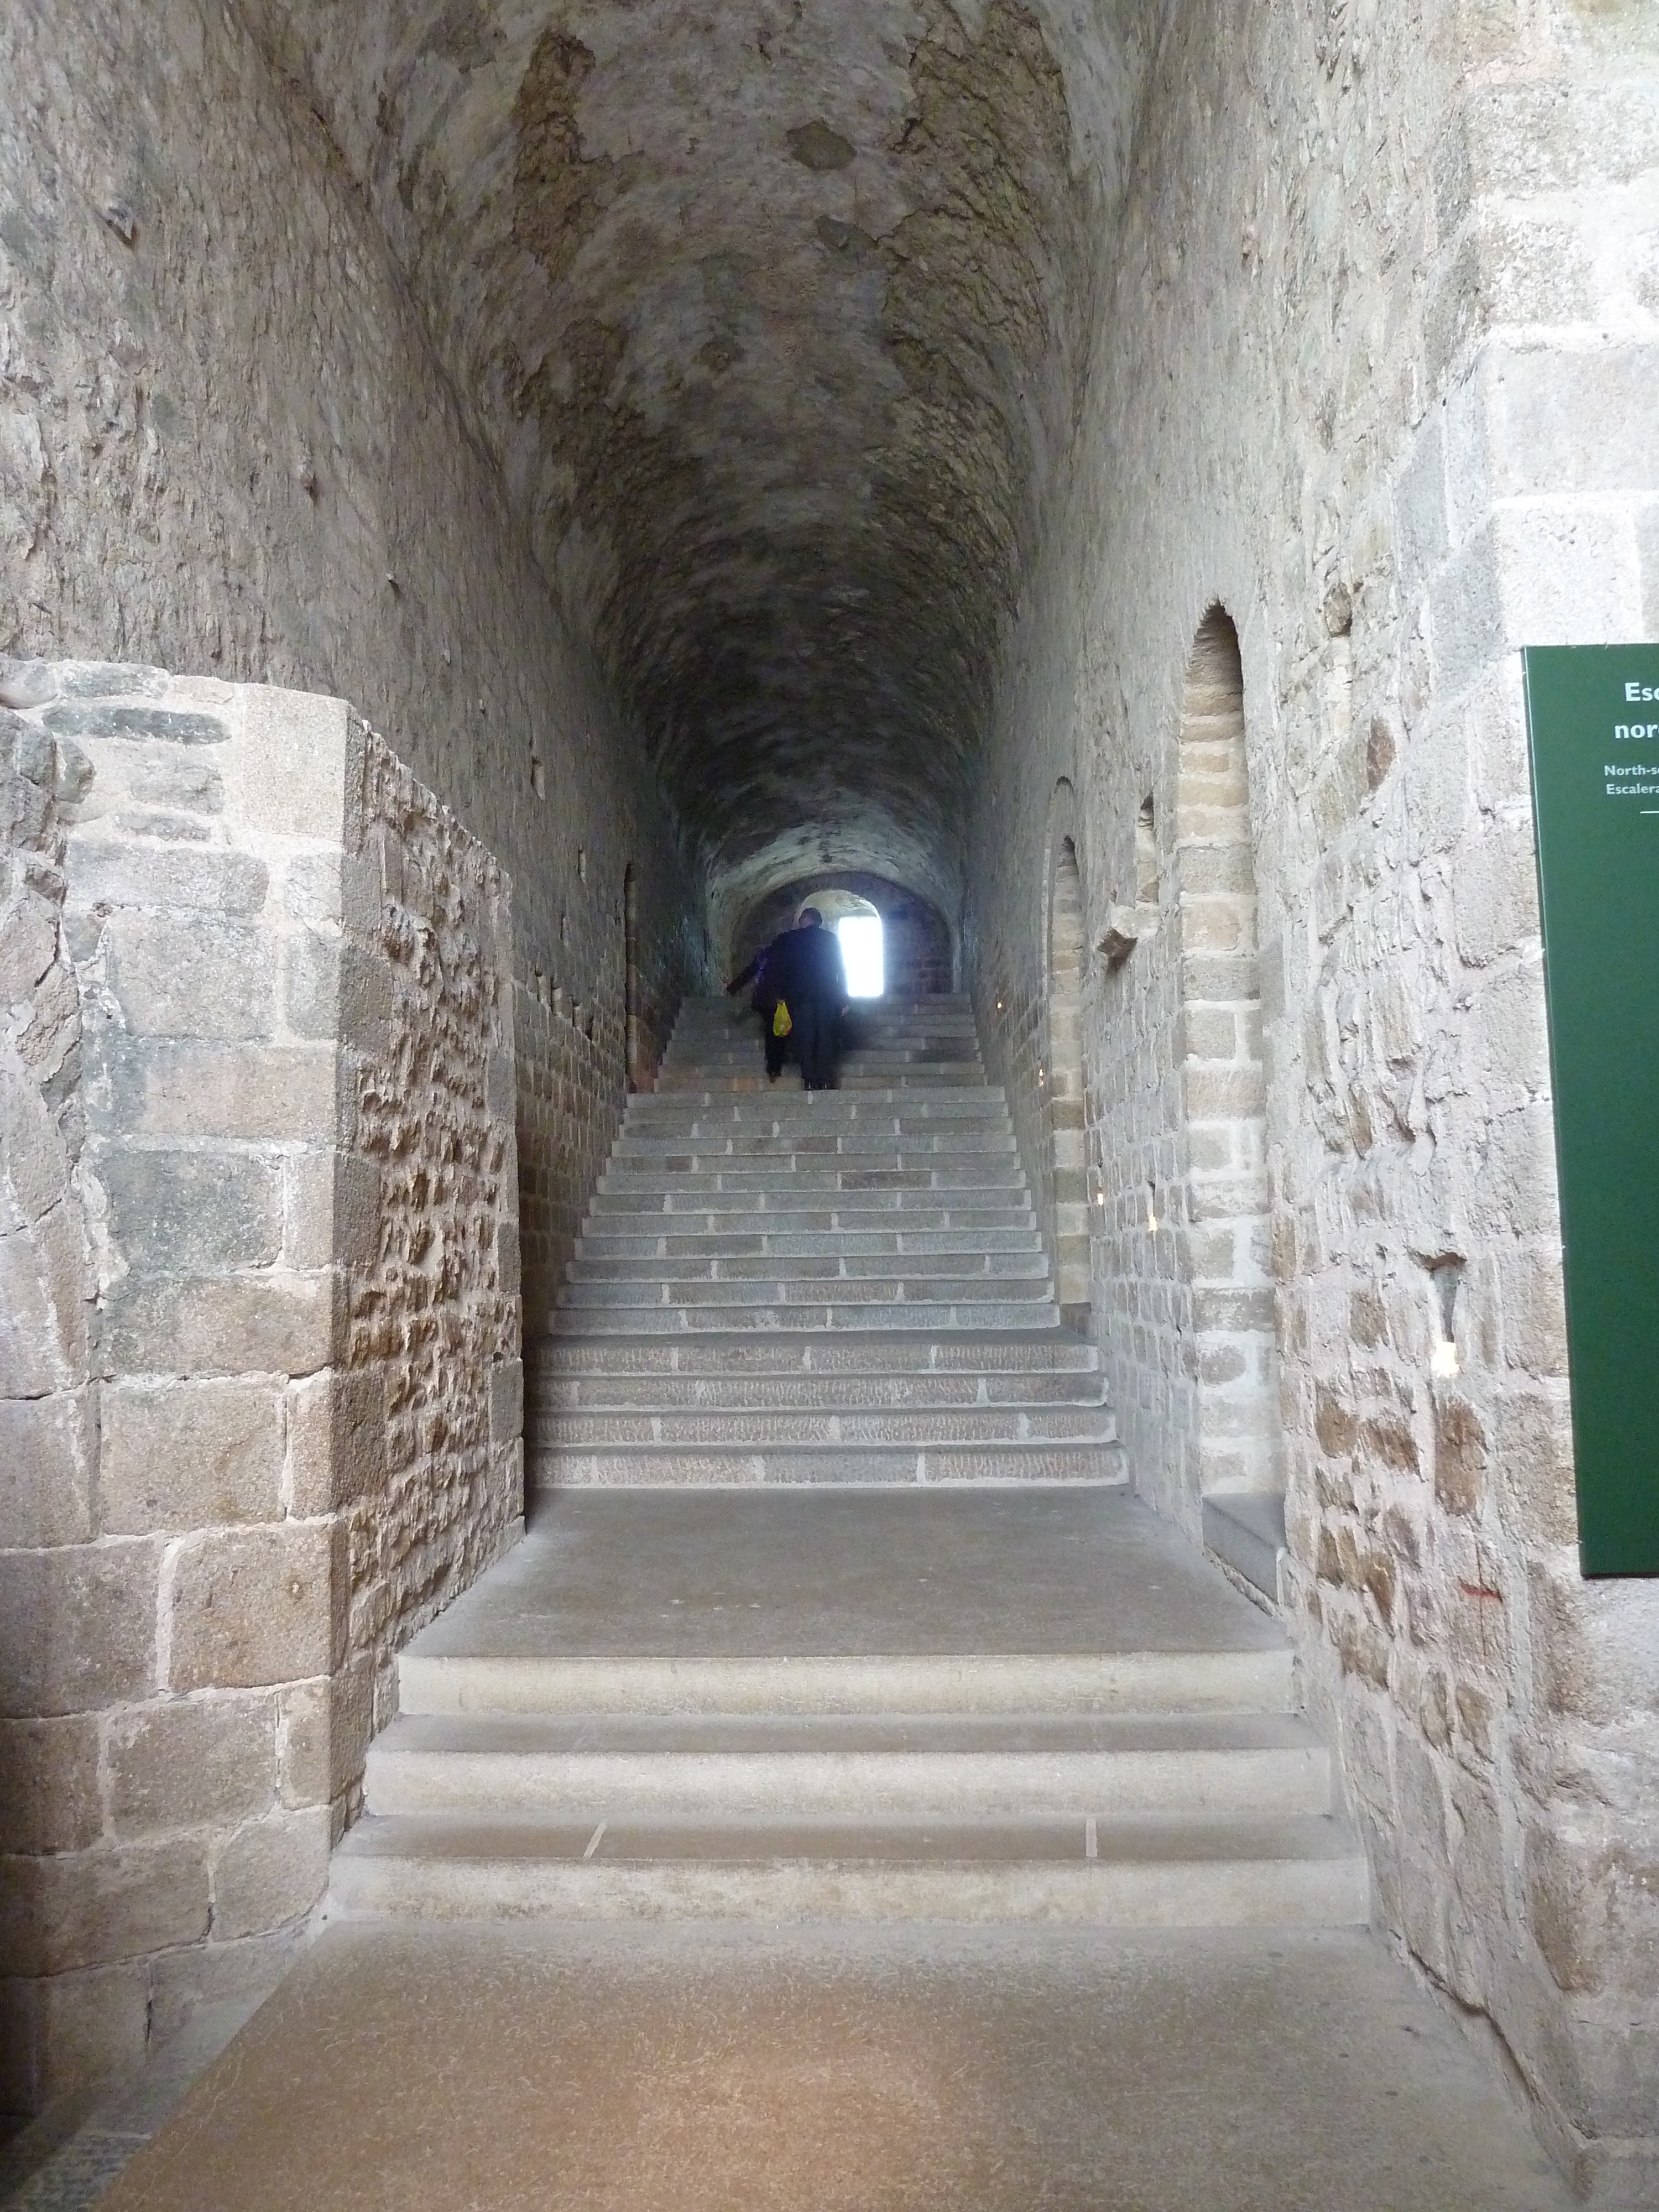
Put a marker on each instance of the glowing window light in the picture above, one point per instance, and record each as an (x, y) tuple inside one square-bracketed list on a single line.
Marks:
[(860, 950)]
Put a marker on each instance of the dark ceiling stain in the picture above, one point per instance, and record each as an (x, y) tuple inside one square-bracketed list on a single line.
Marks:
[(815, 146)]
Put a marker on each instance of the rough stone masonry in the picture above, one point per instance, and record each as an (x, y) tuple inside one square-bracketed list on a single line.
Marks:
[(1093, 467), (262, 1395)]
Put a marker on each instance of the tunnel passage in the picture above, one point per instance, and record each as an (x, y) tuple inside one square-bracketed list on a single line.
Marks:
[(775, 317)]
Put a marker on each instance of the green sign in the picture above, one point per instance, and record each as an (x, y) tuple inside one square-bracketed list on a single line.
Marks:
[(1593, 716)]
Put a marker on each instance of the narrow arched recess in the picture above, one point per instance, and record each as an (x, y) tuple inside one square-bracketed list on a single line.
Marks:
[(1063, 1081), (1223, 1083)]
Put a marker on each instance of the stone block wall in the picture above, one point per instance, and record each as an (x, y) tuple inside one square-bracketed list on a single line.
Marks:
[(262, 1396), (228, 446), (1407, 272)]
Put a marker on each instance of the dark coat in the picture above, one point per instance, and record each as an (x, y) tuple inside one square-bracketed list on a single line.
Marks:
[(802, 965)]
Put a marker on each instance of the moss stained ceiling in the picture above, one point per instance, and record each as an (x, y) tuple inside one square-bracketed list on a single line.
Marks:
[(774, 313)]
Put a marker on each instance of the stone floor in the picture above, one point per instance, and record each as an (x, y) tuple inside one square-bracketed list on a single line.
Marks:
[(520, 2070), (64, 2161), (467, 2065), (823, 1573)]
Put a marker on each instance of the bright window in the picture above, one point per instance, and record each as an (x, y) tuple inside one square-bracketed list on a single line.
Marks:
[(860, 949)]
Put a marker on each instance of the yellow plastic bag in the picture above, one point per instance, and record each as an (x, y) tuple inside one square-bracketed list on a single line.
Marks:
[(781, 1024)]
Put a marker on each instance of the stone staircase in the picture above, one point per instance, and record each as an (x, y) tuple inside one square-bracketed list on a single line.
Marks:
[(833, 1604), (774, 1285)]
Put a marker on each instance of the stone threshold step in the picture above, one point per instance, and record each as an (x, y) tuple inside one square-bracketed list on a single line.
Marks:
[(1255, 1681), (1024, 1350), (1305, 1871), (722, 1765), (768, 1429), (846, 1393)]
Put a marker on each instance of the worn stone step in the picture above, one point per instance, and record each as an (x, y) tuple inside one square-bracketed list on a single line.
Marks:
[(1145, 1681), (742, 1029), (919, 1317), (979, 1172), (713, 1082), (733, 1467), (766, 1429), (927, 1207), (805, 1291), (627, 1766), (944, 1065), (1019, 1349), (821, 1110), (604, 1242), (672, 1271), (753, 1394), (1224, 1871), (869, 1147)]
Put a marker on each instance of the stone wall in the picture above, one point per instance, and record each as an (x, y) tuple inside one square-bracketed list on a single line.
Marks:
[(227, 446), (1376, 375), (262, 1397)]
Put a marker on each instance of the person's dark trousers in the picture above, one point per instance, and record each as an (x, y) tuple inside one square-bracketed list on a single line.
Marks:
[(776, 1047), (815, 1042)]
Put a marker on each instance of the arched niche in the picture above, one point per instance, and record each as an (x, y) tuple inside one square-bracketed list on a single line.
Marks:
[(1223, 1081), (1061, 1077)]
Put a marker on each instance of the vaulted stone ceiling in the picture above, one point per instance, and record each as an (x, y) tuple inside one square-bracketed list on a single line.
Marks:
[(774, 313)]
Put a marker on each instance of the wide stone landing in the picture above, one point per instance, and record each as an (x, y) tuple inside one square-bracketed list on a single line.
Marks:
[(980, 1705), (700, 2069)]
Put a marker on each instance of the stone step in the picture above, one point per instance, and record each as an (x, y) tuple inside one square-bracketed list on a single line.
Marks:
[(921, 1317), (937, 1066), (827, 1108), (869, 1286), (732, 1047), (607, 1243), (715, 1082), (850, 1466), (822, 1110), (866, 1023), (811, 1174), (765, 1429), (1253, 1681), (956, 1260), (1022, 1349), (882, 1208), (907, 1015), (1224, 1871), (832, 1393), (869, 1147), (622, 1767)]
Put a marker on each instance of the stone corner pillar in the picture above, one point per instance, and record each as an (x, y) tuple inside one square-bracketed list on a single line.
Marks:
[(260, 1395)]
